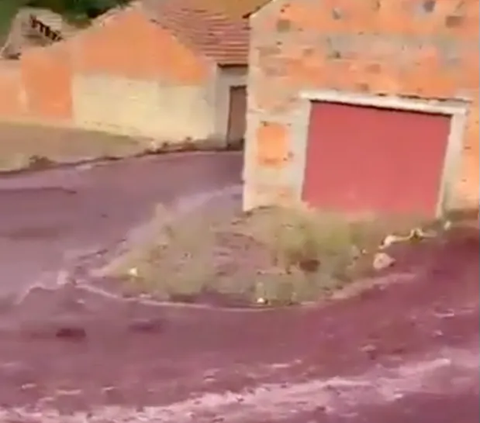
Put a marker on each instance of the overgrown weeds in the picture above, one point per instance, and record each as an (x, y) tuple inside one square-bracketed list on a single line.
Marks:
[(272, 255)]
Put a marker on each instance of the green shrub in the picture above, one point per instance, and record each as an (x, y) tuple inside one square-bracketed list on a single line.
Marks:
[(89, 8)]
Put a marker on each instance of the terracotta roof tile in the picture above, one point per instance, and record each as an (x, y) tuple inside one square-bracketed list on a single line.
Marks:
[(210, 32), (234, 8)]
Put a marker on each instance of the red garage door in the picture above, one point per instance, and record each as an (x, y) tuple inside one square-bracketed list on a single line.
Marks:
[(371, 160)]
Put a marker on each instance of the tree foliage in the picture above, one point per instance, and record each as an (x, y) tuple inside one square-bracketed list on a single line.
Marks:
[(88, 8)]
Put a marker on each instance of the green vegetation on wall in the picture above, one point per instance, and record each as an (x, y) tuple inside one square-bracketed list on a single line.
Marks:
[(8, 10)]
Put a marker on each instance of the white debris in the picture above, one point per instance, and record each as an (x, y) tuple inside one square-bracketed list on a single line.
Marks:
[(415, 234), (133, 272), (382, 261), (389, 240)]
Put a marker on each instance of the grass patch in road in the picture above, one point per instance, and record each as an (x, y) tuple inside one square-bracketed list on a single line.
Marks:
[(270, 256)]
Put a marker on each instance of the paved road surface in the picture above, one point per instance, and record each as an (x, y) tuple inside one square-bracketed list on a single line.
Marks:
[(49, 217), (407, 353)]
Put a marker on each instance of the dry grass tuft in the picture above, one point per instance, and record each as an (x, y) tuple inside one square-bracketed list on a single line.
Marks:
[(273, 255), (172, 261)]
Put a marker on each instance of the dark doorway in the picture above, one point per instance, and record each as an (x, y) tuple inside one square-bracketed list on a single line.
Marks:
[(237, 116)]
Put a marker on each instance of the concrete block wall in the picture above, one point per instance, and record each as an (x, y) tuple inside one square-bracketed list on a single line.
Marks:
[(427, 49), (123, 75), (132, 77)]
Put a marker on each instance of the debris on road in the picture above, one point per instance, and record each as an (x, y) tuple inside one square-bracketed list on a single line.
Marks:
[(382, 261)]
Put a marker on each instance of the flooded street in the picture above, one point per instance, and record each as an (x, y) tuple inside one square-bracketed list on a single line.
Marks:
[(49, 219), (403, 352)]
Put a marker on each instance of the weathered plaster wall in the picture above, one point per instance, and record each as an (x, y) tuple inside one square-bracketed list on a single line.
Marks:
[(141, 107), (426, 49), (133, 77), (46, 75)]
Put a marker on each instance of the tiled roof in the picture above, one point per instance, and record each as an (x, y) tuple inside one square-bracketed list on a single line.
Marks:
[(235, 8), (208, 31)]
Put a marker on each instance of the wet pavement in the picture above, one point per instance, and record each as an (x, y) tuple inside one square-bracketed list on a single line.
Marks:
[(403, 352), (50, 218)]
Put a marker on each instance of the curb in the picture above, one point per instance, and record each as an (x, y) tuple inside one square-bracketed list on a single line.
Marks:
[(40, 163)]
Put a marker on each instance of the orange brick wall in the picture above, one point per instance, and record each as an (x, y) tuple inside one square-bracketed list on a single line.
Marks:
[(46, 76), (11, 105), (427, 49), (131, 46)]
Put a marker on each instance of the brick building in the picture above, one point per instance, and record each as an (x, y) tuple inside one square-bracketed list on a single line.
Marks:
[(364, 106), (164, 69), (172, 70)]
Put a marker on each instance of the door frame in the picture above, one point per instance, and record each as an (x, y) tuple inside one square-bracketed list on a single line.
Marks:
[(455, 109), (230, 114), (225, 78)]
